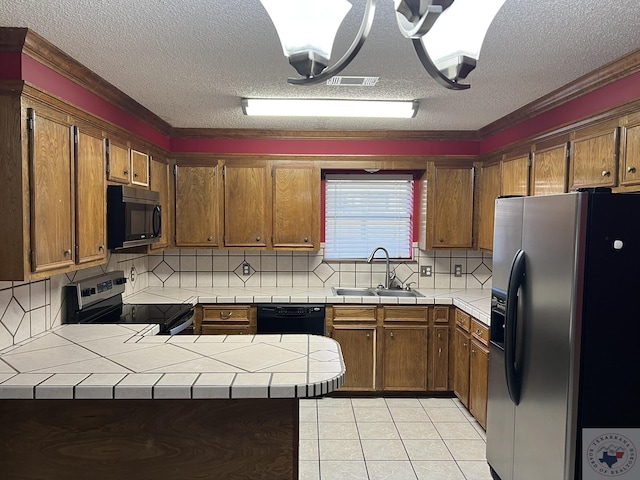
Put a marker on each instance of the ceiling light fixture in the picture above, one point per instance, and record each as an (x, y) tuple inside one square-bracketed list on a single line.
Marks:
[(328, 108), (447, 34)]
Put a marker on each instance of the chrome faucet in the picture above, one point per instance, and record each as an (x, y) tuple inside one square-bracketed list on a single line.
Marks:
[(388, 273)]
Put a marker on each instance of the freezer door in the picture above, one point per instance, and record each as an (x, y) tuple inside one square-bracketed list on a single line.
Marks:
[(507, 239), (553, 241)]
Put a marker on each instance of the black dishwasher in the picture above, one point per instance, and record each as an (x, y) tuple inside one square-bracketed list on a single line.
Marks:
[(291, 318)]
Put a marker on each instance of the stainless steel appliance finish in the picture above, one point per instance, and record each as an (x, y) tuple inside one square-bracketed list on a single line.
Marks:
[(561, 352), (99, 300), (134, 216), (291, 318)]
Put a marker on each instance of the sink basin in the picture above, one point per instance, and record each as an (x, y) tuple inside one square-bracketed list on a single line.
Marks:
[(397, 293), (357, 292), (371, 292)]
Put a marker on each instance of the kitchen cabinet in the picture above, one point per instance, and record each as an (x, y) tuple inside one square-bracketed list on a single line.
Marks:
[(118, 161), (247, 209), (447, 214), (404, 348), (139, 168), (489, 191), (160, 181), (630, 151), (439, 348), (197, 205), (462, 350), (354, 328), (232, 319), (550, 168), (594, 156), (296, 206), (515, 175), (479, 372), (90, 197), (50, 139)]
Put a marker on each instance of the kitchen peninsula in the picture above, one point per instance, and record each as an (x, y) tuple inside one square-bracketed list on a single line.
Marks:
[(114, 401)]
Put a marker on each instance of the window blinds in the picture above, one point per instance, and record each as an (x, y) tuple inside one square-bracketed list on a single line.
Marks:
[(363, 212)]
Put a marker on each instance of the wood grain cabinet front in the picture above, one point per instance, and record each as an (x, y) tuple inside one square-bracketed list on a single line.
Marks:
[(160, 181), (139, 168), (630, 151), (118, 161), (479, 372), (225, 320), (489, 190), (594, 156)]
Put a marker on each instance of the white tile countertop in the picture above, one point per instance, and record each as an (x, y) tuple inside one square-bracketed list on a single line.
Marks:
[(130, 361), (475, 302)]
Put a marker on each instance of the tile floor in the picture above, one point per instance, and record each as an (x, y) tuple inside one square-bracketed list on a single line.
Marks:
[(390, 439)]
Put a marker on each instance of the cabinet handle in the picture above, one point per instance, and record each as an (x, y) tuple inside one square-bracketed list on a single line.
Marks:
[(606, 173), (631, 169), (479, 332), (225, 317), (258, 238), (391, 334), (67, 252), (126, 172), (441, 240), (209, 239), (135, 175), (464, 345), (368, 335), (473, 352), (306, 239), (101, 247), (439, 351), (439, 335)]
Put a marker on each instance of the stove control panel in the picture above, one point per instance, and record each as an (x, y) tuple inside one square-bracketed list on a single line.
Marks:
[(92, 290)]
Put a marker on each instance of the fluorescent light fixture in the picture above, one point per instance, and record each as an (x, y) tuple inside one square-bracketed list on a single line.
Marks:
[(329, 108)]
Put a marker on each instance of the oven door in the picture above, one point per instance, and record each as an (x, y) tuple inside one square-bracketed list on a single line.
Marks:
[(181, 325)]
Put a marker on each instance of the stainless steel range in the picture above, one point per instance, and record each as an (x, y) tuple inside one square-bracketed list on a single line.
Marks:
[(99, 300)]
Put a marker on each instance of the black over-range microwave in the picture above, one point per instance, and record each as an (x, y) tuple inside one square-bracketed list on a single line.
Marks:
[(134, 216)]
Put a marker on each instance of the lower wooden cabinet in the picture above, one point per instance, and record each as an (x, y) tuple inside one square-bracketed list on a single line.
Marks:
[(462, 348), (358, 344), (478, 381), (225, 320), (404, 358)]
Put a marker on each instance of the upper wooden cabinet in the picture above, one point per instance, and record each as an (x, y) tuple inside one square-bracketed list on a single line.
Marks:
[(139, 168), (197, 206), (630, 151), (118, 161), (91, 215), (448, 212), (549, 169), (515, 175), (160, 181), (247, 212), (489, 191), (296, 206), (593, 157)]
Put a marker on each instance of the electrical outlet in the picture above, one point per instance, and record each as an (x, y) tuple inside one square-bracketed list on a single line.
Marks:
[(425, 271), (246, 269), (133, 274), (458, 270)]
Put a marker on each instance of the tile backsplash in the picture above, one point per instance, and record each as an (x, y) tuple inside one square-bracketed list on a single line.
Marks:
[(30, 308)]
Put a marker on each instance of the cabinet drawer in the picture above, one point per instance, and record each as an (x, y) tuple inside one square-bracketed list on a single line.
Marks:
[(480, 331), (441, 314), (463, 320), (225, 329), (405, 314), (353, 313), (227, 313)]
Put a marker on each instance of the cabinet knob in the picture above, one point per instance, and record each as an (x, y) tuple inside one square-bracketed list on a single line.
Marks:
[(631, 169), (306, 239), (126, 172), (606, 173), (101, 247), (368, 335), (391, 334), (473, 352), (136, 175), (209, 239), (439, 335), (439, 351), (67, 252), (464, 345), (441, 240), (258, 238)]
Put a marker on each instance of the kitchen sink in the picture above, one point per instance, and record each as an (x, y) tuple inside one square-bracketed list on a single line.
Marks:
[(375, 292)]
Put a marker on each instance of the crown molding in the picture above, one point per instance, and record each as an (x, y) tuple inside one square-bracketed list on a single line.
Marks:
[(609, 73)]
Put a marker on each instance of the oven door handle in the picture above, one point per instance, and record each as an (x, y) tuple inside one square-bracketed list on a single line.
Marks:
[(184, 325)]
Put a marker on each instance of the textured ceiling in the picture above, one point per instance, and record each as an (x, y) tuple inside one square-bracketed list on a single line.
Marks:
[(191, 62)]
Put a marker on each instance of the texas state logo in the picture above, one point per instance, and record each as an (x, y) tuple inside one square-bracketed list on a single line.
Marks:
[(611, 455)]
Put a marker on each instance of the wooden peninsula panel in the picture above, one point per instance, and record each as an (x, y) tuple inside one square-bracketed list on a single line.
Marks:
[(237, 439)]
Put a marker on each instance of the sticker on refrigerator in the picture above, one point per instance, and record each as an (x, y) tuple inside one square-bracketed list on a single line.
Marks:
[(610, 453)]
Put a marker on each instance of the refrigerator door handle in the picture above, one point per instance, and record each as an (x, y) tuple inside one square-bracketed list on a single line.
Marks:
[(516, 279)]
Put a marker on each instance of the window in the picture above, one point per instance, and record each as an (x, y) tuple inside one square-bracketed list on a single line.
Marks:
[(363, 212)]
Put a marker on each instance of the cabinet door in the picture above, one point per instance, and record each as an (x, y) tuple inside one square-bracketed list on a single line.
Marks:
[(515, 176), (139, 168), (462, 349), (358, 345), (404, 358), (450, 207), (478, 382), (91, 231), (630, 150), (159, 182), (118, 161), (196, 218), (489, 191), (440, 355), (296, 207), (593, 158), (51, 187), (246, 205), (550, 171)]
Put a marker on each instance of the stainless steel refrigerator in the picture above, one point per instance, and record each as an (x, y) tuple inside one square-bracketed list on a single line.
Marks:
[(564, 357)]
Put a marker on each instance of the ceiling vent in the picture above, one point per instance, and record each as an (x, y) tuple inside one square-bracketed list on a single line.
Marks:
[(353, 81)]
